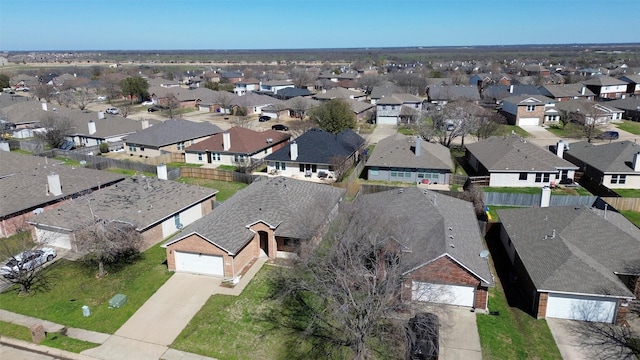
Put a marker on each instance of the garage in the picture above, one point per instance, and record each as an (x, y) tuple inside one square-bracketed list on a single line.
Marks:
[(387, 120), (54, 238), (199, 263), (443, 294), (528, 122), (581, 307)]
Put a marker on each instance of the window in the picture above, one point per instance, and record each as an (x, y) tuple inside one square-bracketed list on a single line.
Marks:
[(523, 176), (301, 167), (180, 145), (277, 165), (384, 107), (284, 166), (546, 178), (531, 108), (618, 179), (199, 156), (538, 177), (176, 221), (132, 148), (374, 171)]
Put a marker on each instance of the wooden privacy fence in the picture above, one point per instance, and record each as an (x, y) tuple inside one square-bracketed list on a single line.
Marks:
[(620, 203), (530, 200)]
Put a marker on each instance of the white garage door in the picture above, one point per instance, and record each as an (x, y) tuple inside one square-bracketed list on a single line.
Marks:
[(387, 120), (529, 121), (53, 238), (443, 294), (199, 263), (575, 307)]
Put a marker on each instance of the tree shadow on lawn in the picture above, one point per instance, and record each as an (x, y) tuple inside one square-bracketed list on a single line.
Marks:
[(505, 271)]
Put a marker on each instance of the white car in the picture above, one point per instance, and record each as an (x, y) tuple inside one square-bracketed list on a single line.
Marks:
[(147, 103), (101, 98), (27, 261), (113, 111)]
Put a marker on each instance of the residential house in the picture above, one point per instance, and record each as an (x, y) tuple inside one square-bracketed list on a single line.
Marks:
[(528, 110), (170, 136), (31, 185), (535, 70), (236, 146), (398, 108), (512, 161), (572, 262), (607, 87), (409, 159), (381, 91), (316, 153), (484, 80), (495, 94), (290, 92), (259, 104), (633, 83), (567, 92), (273, 86), (231, 76), (442, 94), (272, 217), (340, 93), (615, 165), (140, 201), (299, 106), (443, 257), (600, 112), (630, 106)]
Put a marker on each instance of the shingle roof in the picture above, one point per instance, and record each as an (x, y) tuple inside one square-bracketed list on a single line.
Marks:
[(139, 200), (513, 154), (433, 225), (582, 257), (172, 132), (339, 93), (567, 90), (614, 157), (359, 107), (243, 141), (398, 151), (384, 90), (505, 91), (603, 80), (317, 146), (451, 93), (294, 208), (23, 181), (523, 99)]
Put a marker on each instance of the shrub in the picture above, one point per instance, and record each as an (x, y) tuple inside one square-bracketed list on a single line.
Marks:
[(104, 148)]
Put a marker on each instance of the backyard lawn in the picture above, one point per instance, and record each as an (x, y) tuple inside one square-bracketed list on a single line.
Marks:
[(225, 189), (628, 193), (73, 284), (633, 216)]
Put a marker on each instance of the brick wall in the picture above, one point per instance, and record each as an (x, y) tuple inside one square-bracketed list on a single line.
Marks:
[(196, 244), (537, 113), (542, 305), (446, 271), (152, 236)]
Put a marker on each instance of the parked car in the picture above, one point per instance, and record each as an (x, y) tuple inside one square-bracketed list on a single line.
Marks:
[(147, 103), (27, 261), (609, 135), (280, 127), (113, 111), (423, 335), (22, 88), (101, 98), (154, 109), (264, 118)]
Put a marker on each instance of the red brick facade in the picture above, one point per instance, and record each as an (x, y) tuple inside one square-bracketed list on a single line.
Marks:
[(542, 305), (446, 271)]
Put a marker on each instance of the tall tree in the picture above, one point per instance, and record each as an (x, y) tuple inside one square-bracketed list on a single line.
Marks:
[(56, 129), (333, 116), (4, 81), (135, 87)]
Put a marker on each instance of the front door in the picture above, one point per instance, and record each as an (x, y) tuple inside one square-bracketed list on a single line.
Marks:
[(264, 242)]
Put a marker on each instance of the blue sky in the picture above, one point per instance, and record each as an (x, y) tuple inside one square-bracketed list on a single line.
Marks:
[(293, 24)]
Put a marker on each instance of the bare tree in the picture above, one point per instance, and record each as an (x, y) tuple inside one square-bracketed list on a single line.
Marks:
[(108, 241), (42, 91), (341, 295), (589, 117), (487, 123), (368, 82), (172, 103), (299, 107), (339, 166), (225, 100), (82, 97), (301, 78), (56, 129), (448, 122), (125, 110)]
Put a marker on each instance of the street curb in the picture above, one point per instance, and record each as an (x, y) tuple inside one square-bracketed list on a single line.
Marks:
[(40, 349)]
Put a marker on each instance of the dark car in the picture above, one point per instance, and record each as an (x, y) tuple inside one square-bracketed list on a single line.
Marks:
[(280, 127), (264, 118), (609, 135), (154, 109), (423, 335)]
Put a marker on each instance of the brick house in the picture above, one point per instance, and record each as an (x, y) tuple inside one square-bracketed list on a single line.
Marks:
[(529, 110), (139, 200), (271, 217), (443, 258), (607, 87), (562, 267)]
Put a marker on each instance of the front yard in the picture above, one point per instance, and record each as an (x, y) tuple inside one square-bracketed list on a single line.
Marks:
[(629, 126), (70, 285)]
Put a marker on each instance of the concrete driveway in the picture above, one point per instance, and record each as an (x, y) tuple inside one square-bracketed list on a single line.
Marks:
[(459, 338), (541, 136), (380, 132), (574, 346), (148, 333)]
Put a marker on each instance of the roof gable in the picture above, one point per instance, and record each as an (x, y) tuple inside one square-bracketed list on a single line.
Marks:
[(317, 146), (243, 141)]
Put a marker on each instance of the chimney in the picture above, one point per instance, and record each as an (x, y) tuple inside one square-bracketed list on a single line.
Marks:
[(510, 89), (54, 184), (100, 115), (560, 148), (294, 151), (162, 172), (418, 150), (546, 197), (92, 127), (583, 90), (226, 141), (636, 161), (44, 106), (144, 123)]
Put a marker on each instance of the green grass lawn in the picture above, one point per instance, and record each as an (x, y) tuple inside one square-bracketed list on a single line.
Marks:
[(571, 131), (629, 126), (628, 193), (225, 189), (493, 211), (127, 172), (407, 131), (230, 327), (53, 340), (512, 190), (180, 164), (633, 216), (73, 284), (67, 161), (505, 130)]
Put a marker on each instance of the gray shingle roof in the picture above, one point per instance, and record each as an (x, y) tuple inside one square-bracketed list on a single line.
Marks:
[(567, 90), (317, 146), (139, 200), (451, 93), (399, 151), (172, 132), (582, 257), (603, 80), (615, 157), (514, 154), (292, 207), (23, 181), (433, 225)]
